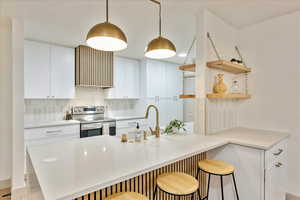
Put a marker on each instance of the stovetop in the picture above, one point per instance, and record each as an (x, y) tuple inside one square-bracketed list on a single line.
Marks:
[(91, 119)]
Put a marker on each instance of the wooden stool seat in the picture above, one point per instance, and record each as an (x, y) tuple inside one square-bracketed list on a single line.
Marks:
[(127, 196), (177, 183), (216, 167)]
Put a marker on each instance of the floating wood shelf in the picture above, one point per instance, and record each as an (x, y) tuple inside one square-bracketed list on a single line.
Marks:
[(190, 68), (228, 66), (187, 96), (228, 96)]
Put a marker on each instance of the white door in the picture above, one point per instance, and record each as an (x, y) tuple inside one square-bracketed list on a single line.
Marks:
[(62, 72), (36, 70)]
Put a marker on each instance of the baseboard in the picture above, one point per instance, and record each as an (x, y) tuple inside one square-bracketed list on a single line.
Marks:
[(5, 184), (292, 197)]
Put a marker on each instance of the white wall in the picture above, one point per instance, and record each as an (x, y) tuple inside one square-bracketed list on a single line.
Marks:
[(188, 104), (5, 99), (17, 104), (221, 114), (272, 48)]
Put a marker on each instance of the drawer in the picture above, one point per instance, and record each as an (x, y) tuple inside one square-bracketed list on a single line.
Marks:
[(277, 154), (51, 132)]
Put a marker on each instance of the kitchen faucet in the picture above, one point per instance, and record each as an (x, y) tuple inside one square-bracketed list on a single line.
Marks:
[(155, 132)]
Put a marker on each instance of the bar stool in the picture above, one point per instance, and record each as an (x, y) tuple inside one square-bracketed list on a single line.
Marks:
[(127, 196), (177, 184), (218, 168)]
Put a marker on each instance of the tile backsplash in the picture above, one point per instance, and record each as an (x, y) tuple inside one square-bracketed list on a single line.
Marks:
[(55, 109)]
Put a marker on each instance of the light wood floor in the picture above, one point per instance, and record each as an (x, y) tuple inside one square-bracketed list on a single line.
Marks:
[(2, 192), (291, 197)]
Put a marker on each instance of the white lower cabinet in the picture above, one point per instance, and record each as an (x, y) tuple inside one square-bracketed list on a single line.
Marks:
[(260, 174), (51, 134)]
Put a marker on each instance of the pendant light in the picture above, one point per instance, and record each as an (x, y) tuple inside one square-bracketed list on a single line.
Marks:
[(160, 47), (106, 36)]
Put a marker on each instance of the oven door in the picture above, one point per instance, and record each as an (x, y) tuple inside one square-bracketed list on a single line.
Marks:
[(91, 129)]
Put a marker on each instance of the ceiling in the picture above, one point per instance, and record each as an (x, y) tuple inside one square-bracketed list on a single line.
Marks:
[(67, 22)]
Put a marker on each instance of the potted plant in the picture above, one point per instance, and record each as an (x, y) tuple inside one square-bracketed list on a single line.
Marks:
[(174, 127)]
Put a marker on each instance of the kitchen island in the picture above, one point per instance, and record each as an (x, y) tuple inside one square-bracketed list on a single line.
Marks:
[(99, 166), (95, 167)]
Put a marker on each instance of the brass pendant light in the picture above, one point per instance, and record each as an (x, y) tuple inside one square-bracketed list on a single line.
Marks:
[(106, 36), (160, 47)]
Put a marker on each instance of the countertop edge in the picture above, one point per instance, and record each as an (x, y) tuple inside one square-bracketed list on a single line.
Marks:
[(50, 124), (283, 136), (128, 118)]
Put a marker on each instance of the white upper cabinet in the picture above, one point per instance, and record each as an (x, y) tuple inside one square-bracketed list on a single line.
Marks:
[(174, 80), (49, 71), (126, 79), (62, 72), (162, 79), (156, 79), (36, 70)]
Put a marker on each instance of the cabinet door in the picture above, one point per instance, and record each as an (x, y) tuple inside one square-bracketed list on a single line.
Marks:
[(126, 79), (132, 80), (36, 70), (276, 173), (174, 80), (274, 189), (62, 72), (156, 79)]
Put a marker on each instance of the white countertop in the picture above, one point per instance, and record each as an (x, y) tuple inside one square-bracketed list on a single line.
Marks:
[(124, 118), (255, 138), (41, 124), (70, 169)]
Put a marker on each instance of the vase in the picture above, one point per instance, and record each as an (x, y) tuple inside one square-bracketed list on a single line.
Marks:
[(220, 87)]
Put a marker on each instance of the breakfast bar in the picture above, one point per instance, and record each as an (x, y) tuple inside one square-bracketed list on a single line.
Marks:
[(94, 168)]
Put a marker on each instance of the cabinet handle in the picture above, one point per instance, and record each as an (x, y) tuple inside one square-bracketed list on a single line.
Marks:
[(279, 164), (278, 153), (55, 131)]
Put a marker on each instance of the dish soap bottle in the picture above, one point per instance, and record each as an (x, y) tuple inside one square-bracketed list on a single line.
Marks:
[(138, 134)]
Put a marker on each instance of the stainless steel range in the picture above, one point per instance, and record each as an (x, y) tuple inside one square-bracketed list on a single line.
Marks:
[(93, 122)]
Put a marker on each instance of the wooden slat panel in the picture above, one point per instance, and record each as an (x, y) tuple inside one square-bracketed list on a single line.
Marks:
[(93, 68)]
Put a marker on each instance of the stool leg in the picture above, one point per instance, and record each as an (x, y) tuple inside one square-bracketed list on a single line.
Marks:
[(199, 187), (199, 194), (192, 198), (236, 191), (155, 191), (222, 190), (208, 186)]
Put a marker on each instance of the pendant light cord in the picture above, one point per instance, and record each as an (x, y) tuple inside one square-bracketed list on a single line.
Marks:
[(159, 4), (106, 10), (160, 19)]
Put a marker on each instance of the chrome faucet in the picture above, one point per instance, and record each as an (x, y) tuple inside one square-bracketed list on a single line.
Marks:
[(155, 132)]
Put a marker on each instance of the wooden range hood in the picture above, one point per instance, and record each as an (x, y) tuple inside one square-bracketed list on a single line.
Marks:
[(93, 68)]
